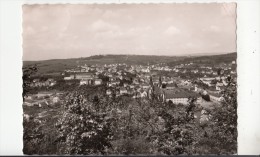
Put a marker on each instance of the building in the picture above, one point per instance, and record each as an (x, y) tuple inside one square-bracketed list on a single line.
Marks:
[(131, 91), (123, 91), (171, 86), (112, 78), (207, 81), (43, 83), (51, 81), (114, 83), (98, 82), (143, 93), (145, 85), (84, 76), (55, 99), (214, 96), (108, 92), (85, 82), (179, 96)]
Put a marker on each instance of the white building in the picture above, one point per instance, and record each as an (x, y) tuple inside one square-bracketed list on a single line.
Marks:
[(98, 81)]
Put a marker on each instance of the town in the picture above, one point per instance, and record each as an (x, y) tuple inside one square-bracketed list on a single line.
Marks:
[(159, 80), (192, 92)]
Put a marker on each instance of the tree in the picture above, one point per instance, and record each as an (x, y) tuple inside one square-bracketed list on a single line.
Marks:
[(32, 137), (206, 97), (225, 121), (190, 108), (27, 73), (82, 129), (103, 78), (221, 132), (179, 133)]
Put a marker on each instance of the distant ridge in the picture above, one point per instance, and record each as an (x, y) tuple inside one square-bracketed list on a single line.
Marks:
[(109, 55), (59, 65), (211, 54)]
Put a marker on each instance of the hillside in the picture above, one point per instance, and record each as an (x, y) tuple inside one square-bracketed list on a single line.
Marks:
[(59, 65)]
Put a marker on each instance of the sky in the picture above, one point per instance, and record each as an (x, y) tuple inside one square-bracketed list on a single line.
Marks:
[(59, 31)]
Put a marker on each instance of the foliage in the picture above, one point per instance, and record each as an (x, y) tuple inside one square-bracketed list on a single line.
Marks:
[(205, 97), (27, 80), (180, 132), (82, 128), (93, 123), (225, 121), (31, 137), (39, 138)]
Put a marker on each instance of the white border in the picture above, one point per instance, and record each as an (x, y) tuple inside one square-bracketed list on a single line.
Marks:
[(248, 15)]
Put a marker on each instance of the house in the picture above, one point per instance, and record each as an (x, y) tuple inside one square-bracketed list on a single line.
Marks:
[(68, 78), (116, 82), (117, 93), (167, 81), (219, 86), (233, 72), (97, 81), (55, 99), (146, 70), (45, 82), (85, 82), (207, 81), (36, 80), (84, 76), (156, 80), (108, 92), (215, 96), (135, 81), (143, 93), (195, 71), (112, 78), (132, 86), (137, 95), (126, 84), (26, 117), (123, 91), (51, 82), (145, 86), (171, 86)]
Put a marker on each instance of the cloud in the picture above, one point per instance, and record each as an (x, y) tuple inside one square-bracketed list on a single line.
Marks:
[(214, 28), (102, 26), (65, 31), (110, 15), (29, 31), (172, 31), (228, 9), (137, 31)]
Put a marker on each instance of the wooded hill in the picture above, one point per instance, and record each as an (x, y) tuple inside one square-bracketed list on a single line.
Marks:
[(59, 65)]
